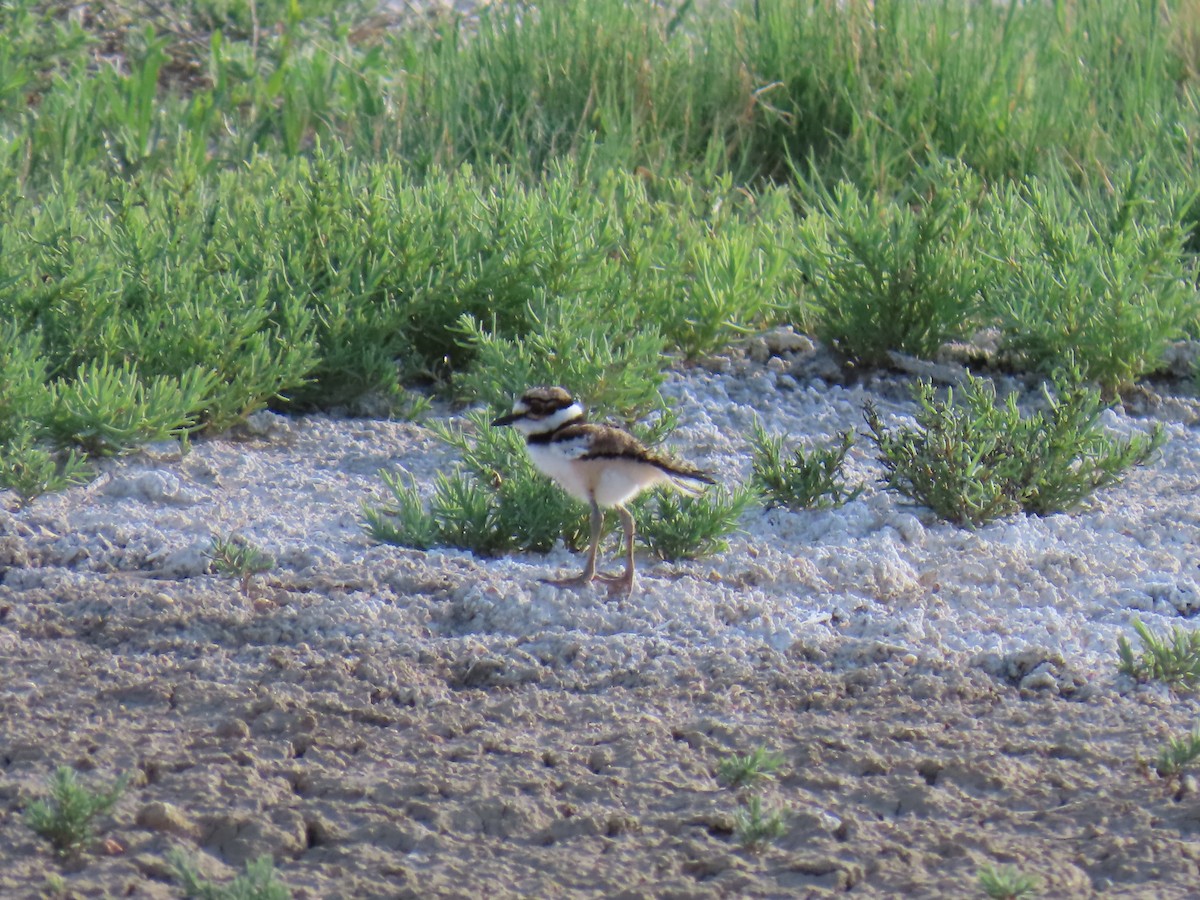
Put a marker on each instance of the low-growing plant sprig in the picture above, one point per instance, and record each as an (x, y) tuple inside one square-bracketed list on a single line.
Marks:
[(29, 469), (803, 480), (234, 555), (755, 826), (972, 460), (750, 769), (1177, 753), (1007, 883), (1174, 660), (405, 522), (259, 881), (66, 818)]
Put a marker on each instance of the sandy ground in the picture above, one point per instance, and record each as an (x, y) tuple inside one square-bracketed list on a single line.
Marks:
[(388, 723)]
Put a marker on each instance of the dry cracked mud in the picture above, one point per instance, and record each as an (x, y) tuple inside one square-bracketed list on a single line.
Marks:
[(437, 768)]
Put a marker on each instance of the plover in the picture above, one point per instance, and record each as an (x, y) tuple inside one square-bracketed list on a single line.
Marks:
[(603, 466)]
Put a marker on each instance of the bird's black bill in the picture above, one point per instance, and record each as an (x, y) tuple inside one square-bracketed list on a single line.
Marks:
[(506, 420)]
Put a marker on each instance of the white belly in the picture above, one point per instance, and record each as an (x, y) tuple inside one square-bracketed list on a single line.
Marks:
[(610, 482), (619, 481), (564, 471)]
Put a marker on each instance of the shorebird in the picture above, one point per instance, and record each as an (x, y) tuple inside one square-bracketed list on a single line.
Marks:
[(603, 466)]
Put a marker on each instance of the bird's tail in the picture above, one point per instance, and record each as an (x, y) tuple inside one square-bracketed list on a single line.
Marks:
[(686, 479)]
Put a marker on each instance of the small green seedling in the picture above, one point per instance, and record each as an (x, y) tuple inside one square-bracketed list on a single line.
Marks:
[(805, 480), (30, 470), (1173, 660), (754, 827), (1007, 883), (236, 556), (756, 766), (1178, 753), (66, 818), (258, 882)]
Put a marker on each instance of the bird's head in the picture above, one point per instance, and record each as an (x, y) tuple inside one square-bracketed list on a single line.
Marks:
[(541, 410)]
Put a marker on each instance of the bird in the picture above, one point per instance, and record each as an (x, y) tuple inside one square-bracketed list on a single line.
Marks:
[(603, 466)]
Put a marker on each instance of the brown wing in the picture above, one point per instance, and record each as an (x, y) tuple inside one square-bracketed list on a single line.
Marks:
[(606, 442)]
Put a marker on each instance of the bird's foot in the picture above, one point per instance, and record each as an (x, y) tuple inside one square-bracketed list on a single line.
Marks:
[(578, 581), (619, 585)]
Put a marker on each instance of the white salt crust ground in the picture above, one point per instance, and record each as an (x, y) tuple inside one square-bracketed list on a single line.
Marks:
[(1040, 601)]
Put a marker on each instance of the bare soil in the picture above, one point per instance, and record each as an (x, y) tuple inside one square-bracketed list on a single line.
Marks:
[(433, 769)]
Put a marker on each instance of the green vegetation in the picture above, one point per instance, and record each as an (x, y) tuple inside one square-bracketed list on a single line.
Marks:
[(234, 555), (215, 207), (755, 826), (1177, 754), (567, 346), (29, 469), (1007, 883), (806, 480), (1174, 660), (493, 503), (971, 459), (678, 526), (1100, 277), (66, 818), (749, 770), (891, 274), (258, 882)]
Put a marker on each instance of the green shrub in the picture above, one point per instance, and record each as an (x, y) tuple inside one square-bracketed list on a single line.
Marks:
[(24, 399), (568, 346), (155, 282), (894, 275), (677, 526), (708, 266), (972, 460), (1098, 279), (495, 502), (803, 481), (107, 409)]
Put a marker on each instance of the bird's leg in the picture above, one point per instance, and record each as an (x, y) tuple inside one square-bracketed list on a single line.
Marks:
[(623, 584), (589, 569)]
